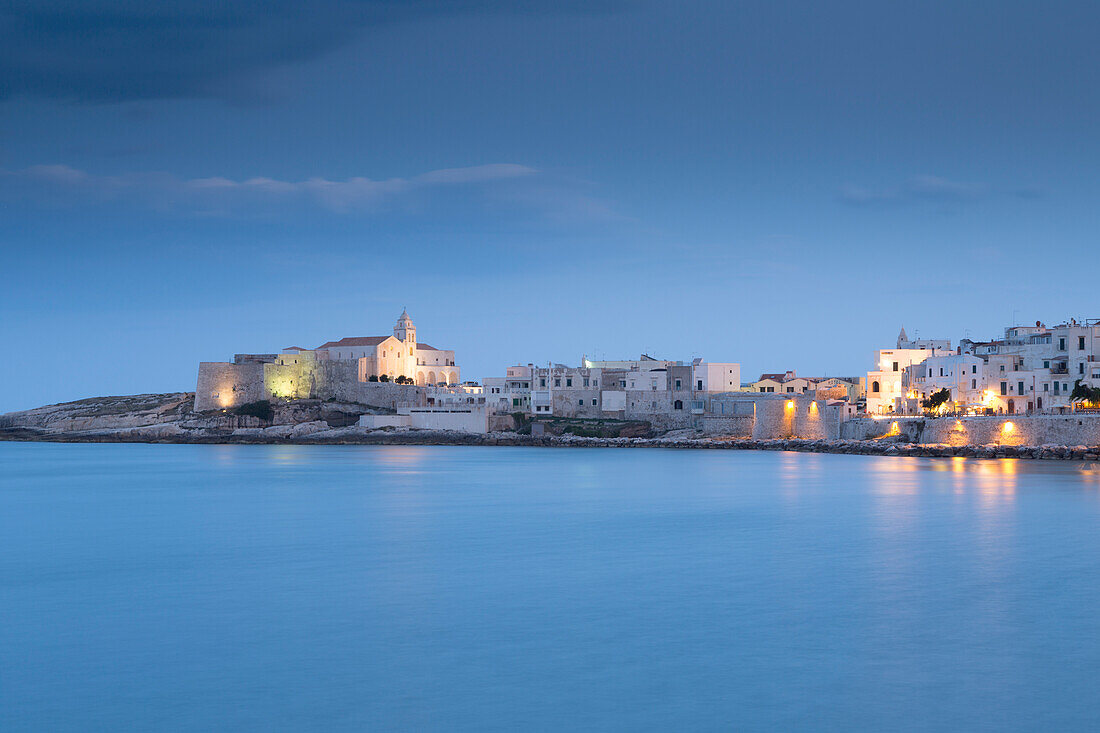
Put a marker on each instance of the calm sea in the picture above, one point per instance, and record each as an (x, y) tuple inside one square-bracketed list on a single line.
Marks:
[(266, 588)]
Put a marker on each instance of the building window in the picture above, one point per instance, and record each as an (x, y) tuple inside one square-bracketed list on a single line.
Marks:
[(586, 381), (1004, 388), (790, 389), (557, 382), (542, 382), (874, 387), (1020, 388), (580, 402), (1061, 344), (973, 368), (699, 385), (1081, 368), (1046, 386), (593, 402), (895, 366), (1080, 343), (595, 383), (678, 384), (678, 405), (973, 384)]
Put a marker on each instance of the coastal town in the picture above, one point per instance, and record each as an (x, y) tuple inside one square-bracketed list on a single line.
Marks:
[(1021, 388), (1035, 389)]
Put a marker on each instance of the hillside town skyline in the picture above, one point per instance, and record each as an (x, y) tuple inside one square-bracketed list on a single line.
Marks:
[(1031, 369)]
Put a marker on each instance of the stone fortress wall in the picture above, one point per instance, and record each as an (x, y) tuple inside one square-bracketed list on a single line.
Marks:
[(1030, 430), (223, 385)]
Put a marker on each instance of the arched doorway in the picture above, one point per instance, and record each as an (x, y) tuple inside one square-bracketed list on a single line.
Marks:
[(420, 378), (431, 378), (678, 405), (1011, 407)]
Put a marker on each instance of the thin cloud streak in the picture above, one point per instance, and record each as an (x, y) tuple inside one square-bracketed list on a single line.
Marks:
[(918, 188), (166, 190)]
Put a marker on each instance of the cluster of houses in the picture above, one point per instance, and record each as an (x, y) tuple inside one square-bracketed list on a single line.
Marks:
[(1033, 369)]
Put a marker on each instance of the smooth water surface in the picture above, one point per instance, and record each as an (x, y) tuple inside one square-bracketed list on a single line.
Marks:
[(260, 588)]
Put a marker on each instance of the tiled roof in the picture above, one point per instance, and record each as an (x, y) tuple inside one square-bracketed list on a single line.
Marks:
[(425, 347), (355, 341)]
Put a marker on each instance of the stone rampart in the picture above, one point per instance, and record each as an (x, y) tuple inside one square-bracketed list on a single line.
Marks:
[(222, 385), (736, 426), (1013, 430)]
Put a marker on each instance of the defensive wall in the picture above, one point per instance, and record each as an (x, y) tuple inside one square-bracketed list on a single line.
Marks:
[(1028, 430), (225, 385)]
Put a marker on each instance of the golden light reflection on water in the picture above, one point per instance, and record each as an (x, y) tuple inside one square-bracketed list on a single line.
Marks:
[(986, 478), (401, 456)]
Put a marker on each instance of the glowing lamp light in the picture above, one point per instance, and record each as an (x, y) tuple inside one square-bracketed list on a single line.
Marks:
[(1007, 428), (790, 404)]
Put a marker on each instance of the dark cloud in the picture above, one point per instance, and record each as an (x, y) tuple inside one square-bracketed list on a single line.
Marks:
[(120, 50)]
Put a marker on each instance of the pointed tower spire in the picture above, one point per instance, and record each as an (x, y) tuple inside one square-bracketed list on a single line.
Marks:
[(902, 338), (404, 330)]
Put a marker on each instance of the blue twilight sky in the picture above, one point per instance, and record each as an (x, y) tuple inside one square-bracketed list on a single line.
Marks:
[(782, 184)]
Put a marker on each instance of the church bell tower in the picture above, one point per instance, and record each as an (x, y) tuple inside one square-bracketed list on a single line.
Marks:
[(405, 330)]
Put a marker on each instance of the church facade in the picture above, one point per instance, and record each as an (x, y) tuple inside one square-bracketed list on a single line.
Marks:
[(399, 355)]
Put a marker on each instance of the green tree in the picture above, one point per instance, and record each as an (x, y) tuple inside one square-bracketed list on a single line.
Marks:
[(937, 398), (384, 378), (1084, 393), (372, 378)]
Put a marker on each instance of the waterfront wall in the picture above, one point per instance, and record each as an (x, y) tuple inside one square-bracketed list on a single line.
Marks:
[(223, 385), (1029, 430), (789, 416), (466, 420)]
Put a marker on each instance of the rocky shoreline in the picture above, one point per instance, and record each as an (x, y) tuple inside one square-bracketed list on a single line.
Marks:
[(321, 434), (168, 418)]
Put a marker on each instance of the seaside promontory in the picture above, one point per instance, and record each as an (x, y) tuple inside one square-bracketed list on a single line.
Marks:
[(170, 418)]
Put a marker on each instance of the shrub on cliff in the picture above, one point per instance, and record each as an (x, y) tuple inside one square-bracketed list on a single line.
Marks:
[(384, 378), (372, 378), (260, 408)]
